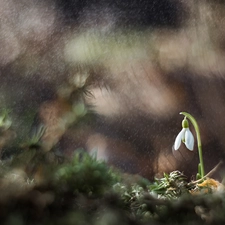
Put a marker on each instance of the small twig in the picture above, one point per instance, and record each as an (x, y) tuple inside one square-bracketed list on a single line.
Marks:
[(208, 174)]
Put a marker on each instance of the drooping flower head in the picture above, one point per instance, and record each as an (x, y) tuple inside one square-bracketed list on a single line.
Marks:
[(185, 136)]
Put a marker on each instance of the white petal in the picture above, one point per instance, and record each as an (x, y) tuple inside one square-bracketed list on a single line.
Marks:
[(189, 139), (179, 138)]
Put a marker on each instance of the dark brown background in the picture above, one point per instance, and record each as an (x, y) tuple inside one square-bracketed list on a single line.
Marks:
[(143, 62)]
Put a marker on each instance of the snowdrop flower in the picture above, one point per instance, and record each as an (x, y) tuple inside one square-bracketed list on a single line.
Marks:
[(185, 136)]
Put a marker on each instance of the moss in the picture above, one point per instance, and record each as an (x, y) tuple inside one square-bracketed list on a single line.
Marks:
[(85, 175), (87, 191)]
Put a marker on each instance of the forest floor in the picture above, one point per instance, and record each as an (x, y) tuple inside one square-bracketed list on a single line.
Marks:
[(40, 188)]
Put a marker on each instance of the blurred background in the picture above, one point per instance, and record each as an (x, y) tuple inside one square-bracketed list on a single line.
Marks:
[(111, 77)]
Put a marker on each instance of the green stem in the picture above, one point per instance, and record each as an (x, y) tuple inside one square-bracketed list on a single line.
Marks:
[(195, 124)]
